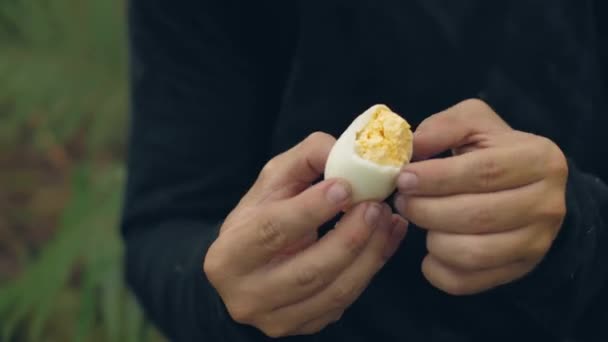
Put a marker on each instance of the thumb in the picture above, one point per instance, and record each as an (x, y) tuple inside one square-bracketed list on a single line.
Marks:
[(455, 127), (292, 171)]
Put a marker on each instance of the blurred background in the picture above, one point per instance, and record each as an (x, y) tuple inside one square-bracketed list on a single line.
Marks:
[(63, 117)]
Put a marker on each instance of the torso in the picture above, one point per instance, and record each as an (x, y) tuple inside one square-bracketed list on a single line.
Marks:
[(535, 62)]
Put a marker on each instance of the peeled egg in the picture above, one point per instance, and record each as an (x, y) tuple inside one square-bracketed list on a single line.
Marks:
[(370, 153)]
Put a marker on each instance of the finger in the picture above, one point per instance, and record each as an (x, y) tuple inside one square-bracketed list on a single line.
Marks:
[(315, 268), (479, 213), (476, 252), (270, 230), (458, 282), (302, 244), (292, 170), (319, 324), (480, 171), (400, 227), (349, 285), (453, 128)]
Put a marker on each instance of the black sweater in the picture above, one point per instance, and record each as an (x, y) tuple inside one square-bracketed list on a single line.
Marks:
[(220, 86)]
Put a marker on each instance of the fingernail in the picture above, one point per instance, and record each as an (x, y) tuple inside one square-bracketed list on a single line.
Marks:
[(372, 214), (398, 231), (407, 181), (399, 202), (337, 193)]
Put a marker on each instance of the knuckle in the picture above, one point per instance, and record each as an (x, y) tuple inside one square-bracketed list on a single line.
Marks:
[(557, 163), (211, 268), (473, 107), (310, 211), (540, 246), (270, 169), (452, 118), (443, 280), (241, 312), (308, 276), (337, 317), (354, 243), (316, 137), (475, 103), (343, 295), (482, 219), (554, 210), (472, 257), (271, 235), (489, 171), (456, 287), (213, 265), (315, 328), (274, 330), (315, 141)]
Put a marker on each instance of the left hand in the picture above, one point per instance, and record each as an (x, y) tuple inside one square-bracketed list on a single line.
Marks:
[(493, 209)]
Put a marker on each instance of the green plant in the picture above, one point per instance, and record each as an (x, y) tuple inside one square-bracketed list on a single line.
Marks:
[(63, 88), (106, 311), (62, 69)]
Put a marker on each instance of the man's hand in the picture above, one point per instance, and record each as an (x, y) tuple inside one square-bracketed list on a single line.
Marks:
[(267, 264), (492, 210)]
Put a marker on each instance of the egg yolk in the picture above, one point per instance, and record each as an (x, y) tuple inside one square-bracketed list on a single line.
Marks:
[(385, 139)]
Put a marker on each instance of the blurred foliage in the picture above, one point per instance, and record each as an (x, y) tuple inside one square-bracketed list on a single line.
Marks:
[(63, 103), (62, 69)]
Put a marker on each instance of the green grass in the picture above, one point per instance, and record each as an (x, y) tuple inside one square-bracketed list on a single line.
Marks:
[(86, 239), (63, 88), (63, 67)]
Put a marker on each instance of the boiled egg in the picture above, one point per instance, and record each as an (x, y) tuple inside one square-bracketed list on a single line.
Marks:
[(370, 153)]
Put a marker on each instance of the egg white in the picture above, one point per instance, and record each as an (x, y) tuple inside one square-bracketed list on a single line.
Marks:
[(369, 181)]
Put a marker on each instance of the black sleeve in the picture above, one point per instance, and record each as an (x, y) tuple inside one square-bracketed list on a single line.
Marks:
[(206, 85), (567, 294), (601, 21)]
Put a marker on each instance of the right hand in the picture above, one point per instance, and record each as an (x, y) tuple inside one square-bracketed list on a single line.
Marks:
[(267, 264)]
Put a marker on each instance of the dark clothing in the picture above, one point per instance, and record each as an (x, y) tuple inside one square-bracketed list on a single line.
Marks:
[(220, 86)]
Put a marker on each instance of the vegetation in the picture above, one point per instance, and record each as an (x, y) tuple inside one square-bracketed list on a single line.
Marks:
[(63, 111)]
